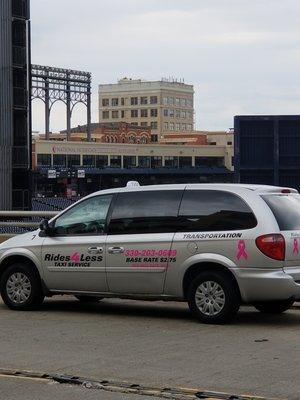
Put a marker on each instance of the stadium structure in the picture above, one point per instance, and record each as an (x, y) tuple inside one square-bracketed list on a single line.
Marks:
[(15, 116)]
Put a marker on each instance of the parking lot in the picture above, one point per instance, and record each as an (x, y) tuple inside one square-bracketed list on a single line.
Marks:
[(150, 343)]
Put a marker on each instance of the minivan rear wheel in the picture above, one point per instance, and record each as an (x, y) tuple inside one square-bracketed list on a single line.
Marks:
[(274, 307), (213, 297)]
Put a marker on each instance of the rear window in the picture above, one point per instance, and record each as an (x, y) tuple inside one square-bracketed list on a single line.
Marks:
[(286, 209), (214, 210)]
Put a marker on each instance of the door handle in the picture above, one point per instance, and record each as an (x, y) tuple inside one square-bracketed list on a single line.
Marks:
[(115, 250), (95, 250)]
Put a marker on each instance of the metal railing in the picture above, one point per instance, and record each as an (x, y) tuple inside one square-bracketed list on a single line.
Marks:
[(22, 219)]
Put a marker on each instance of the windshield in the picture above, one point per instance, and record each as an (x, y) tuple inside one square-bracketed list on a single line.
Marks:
[(286, 209)]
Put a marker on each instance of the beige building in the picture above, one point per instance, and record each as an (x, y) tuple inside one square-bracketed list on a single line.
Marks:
[(165, 106), (78, 154)]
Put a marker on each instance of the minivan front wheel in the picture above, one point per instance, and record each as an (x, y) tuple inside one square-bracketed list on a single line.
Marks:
[(21, 287), (213, 297), (274, 307)]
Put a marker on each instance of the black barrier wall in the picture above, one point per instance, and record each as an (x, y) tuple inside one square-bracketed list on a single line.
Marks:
[(267, 150)]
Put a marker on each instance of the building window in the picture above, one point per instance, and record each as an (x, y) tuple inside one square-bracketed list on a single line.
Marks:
[(134, 113), (166, 126), (105, 114), (185, 162), (134, 101), (153, 100), (43, 159), (115, 102), (156, 162), (171, 101), (122, 101), (105, 102), (213, 143), (154, 138), (165, 100), (171, 113), (129, 161), (229, 143), (166, 112), (144, 161), (177, 127), (115, 161), (115, 114), (209, 161), (183, 127), (189, 103), (143, 140), (131, 139), (171, 162), (183, 102), (189, 114), (189, 127), (144, 100), (144, 113), (153, 112), (171, 125), (177, 113), (101, 161), (59, 160), (122, 114), (88, 160), (183, 114), (177, 101), (73, 160), (153, 125), (134, 124), (144, 124)]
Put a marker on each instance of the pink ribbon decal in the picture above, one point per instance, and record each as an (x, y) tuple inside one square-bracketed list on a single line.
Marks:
[(296, 247), (242, 250)]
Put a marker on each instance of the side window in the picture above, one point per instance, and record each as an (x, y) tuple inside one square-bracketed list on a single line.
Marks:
[(86, 218), (214, 210), (145, 212)]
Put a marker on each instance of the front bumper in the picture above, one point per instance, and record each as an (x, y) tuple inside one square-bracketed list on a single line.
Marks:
[(266, 285)]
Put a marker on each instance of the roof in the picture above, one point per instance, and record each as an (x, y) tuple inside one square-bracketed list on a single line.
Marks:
[(257, 188)]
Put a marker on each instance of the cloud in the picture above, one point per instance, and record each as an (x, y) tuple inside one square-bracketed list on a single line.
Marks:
[(241, 56)]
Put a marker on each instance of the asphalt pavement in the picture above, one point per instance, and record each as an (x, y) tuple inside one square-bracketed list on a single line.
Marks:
[(26, 389), (151, 343)]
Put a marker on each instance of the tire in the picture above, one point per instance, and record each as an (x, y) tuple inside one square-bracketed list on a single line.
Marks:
[(213, 297), (21, 287), (88, 299), (274, 307)]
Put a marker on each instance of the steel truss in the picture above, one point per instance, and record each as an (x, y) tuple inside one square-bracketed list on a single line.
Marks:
[(57, 84)]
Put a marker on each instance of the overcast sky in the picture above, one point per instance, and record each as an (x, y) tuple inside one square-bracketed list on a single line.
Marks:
[(242, 56)]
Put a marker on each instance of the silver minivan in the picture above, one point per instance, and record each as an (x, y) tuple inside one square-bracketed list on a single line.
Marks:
[(216, 246)]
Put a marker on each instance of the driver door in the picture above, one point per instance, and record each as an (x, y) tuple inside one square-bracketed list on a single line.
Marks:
[(73, 256)]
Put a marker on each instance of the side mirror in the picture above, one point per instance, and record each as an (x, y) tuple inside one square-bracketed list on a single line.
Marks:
[(45, 228)]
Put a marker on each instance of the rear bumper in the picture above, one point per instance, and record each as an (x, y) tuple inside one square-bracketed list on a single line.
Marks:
[(266, 285)]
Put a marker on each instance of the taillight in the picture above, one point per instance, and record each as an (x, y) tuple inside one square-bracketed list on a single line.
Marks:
[(272, 245)]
